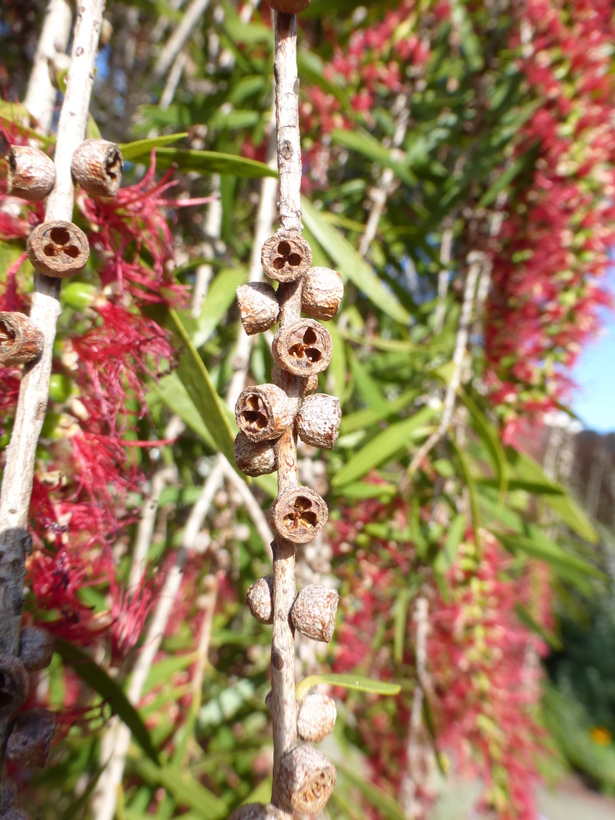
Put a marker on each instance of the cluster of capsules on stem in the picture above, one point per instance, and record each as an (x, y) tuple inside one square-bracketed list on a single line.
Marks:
[(270, 418), (60, 250)]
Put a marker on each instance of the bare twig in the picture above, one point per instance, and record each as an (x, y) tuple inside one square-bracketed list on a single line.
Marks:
[(443, 277), (476, 261), (41, 94), (283, 703), (178, 39), (33, 395)]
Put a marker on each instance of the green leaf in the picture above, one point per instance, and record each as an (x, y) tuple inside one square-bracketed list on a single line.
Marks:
[(142, 149), (400, 623), (173, 393), (448, 554), (350, 264), (220, 296), (561, 503), (490, 438), (373, 149), (528, 620), (383, 447), (15, 115), (200, 387), (471, 45), (471, 485), (362, 419), (356, 682), (546, 550), (388, 808), (109, 691), (212, 162), (186, 790)]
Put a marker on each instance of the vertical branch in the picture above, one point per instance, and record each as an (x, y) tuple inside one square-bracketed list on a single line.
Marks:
[(33, 394), (283, 705)]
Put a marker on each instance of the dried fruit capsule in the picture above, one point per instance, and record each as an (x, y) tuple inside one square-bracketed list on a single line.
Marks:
[(264, 412), (258, 307), (259, 598), (16, 814), (303, 348), (8, 797), (313, 612), (298, 514), (29, 743), (31, 173), (318, 420), (13, 685), (289, 6), (97, 166), (306, 779), (58, 249), (254, 458), (35, 648), (323, 289), (286, 256), (20, 340), (316, 717)]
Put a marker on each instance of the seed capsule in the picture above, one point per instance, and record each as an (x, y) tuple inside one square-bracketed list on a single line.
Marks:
[(58, 249), (318, 420), (323, 289), (254, 458), (16, 814), (13, 685), (286, 256), (316, 717), (29, 743), (8, 797), (259, 598), (298, 514), (97, 166), (306, 779), (20, 340), (303, 348), (31, 173), (35, 648), (258, 307), (313, 612), (264, 412)]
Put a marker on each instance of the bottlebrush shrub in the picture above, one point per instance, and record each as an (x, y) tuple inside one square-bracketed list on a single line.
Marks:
[(106, 348), (482, 677)]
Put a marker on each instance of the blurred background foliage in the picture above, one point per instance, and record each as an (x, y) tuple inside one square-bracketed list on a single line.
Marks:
[(458, 172)]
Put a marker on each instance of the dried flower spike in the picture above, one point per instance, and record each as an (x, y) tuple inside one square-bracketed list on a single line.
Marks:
[(254, 458), (58, 249), (259, 599), (35, 648), (307, 779), (258, 307), (29, 743), (286, 256), (31, 173), (323, 290), (302, 348), (298, 514), (316, 717), (13, 685), (290, 6), (97, 166), (318, 420), (264, 412), (20, 340), (313, 612)]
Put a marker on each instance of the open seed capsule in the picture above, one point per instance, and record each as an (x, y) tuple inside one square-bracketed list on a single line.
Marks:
[(302, 348), (286, 256), (298, 514), (264, 412), (97, 166), (58, 249)]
